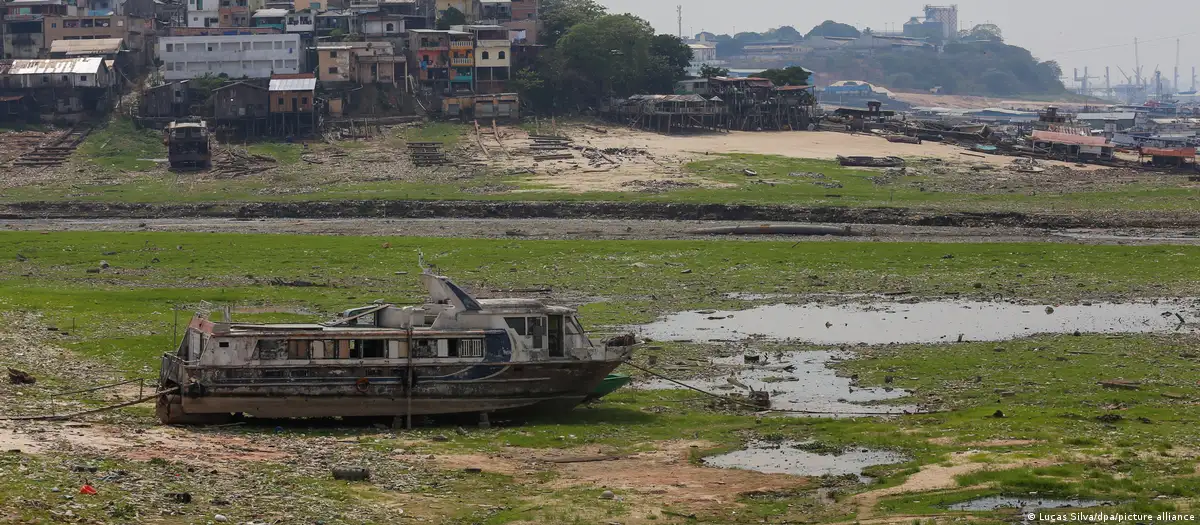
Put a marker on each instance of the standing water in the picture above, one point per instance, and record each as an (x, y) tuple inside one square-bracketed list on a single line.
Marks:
[(932, 322)]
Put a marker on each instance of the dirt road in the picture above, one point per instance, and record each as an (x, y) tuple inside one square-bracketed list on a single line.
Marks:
[(587, 229)]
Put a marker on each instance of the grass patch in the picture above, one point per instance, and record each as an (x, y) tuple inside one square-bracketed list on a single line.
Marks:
[(120, 146), (447, 133), (282, 152)]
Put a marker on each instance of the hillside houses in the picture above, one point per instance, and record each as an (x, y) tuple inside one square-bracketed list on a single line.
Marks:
[(183, 55)]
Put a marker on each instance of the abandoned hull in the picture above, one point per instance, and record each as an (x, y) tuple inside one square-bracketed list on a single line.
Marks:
[(353, 392), (451, 355)]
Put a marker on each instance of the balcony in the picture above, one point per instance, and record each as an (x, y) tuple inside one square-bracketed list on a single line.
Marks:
[(459, 76), (462, 61), (461, 44), (494, 43), (432, 46)]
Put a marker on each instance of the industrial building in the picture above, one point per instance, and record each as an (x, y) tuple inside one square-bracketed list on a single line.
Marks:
[(236, 56)]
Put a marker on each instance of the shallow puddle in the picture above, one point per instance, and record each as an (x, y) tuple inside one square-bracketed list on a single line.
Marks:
[(1024, 503), (930, 322), (786, 458), (799, 381)]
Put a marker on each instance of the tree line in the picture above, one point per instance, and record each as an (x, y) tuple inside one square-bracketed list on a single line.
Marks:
[(591, 54)]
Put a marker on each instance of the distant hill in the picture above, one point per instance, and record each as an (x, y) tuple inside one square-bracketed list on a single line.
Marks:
[(982, 64)]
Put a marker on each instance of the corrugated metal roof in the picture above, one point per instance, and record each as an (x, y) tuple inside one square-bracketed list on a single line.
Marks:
[(293, 84), (270, 13), (1129, 115), (670, 98), (94, 46), (50, 66), (1067, 138)]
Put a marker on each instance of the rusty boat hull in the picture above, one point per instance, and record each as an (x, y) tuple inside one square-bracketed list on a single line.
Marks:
[(355, 392)]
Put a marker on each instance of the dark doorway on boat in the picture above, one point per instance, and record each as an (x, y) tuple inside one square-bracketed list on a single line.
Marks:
[(555, 336)]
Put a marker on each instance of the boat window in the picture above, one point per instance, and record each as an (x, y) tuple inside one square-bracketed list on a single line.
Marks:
[(331, 349), (517, 324), (268, 349), (466, 348), (223, 344), (373, 348), (424, 348), (299, 372), (298, 349), (274, 374)]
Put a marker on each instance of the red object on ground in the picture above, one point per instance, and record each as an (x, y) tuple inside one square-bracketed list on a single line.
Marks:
[(87, 489)]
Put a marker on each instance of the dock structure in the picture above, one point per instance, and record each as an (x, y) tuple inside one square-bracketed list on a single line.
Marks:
[(669, 113), (718, 104)]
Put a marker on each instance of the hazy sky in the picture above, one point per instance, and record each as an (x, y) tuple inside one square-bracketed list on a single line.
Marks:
[(1065, 30)]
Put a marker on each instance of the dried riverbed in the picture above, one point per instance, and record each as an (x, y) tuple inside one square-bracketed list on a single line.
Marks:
[(594, 229)]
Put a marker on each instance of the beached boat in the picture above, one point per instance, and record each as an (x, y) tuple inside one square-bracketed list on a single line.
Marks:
[(453, 355)]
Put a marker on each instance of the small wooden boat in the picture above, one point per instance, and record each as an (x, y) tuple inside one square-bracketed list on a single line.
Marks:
[(610, 384)]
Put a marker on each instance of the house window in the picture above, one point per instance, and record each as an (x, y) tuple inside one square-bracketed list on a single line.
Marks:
[(304, 100), (83, 78), (66, 78), (332, 54), (391, 27), (333, 71), (45, 80), (485, 55), (501, 55), (280, 101)]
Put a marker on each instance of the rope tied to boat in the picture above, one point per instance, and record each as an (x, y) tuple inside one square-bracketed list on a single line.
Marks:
[(758, 408)]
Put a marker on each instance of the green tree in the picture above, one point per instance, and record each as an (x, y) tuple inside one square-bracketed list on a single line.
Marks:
[(790, 76), (452, 17), (612, 52), (711, 71), (675, 52), (831, 28), (989, 32), (559, 16), (532, 87), (785, 34)]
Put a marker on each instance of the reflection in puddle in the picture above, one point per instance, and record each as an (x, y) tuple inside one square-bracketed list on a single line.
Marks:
[(786, 458), (932, 322), (1024, 503), (796, 381)]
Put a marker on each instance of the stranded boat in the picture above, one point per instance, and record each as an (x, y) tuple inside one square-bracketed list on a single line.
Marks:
[(455, 354)]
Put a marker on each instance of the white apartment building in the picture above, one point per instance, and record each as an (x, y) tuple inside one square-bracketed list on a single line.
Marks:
[(203, 13), (236, 56)]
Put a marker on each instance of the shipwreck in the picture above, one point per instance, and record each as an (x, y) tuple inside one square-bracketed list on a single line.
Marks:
[(452, 355)]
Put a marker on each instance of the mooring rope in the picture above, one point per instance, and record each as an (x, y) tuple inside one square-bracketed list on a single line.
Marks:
[(761, 409), (57, 417)]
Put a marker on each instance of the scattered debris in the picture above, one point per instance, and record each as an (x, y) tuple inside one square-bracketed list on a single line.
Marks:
[(351, 473), (20, 377), (1121, 384), (871, 162), (426, 154)]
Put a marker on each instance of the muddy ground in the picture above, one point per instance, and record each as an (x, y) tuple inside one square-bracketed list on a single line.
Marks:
[(594, 229)]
